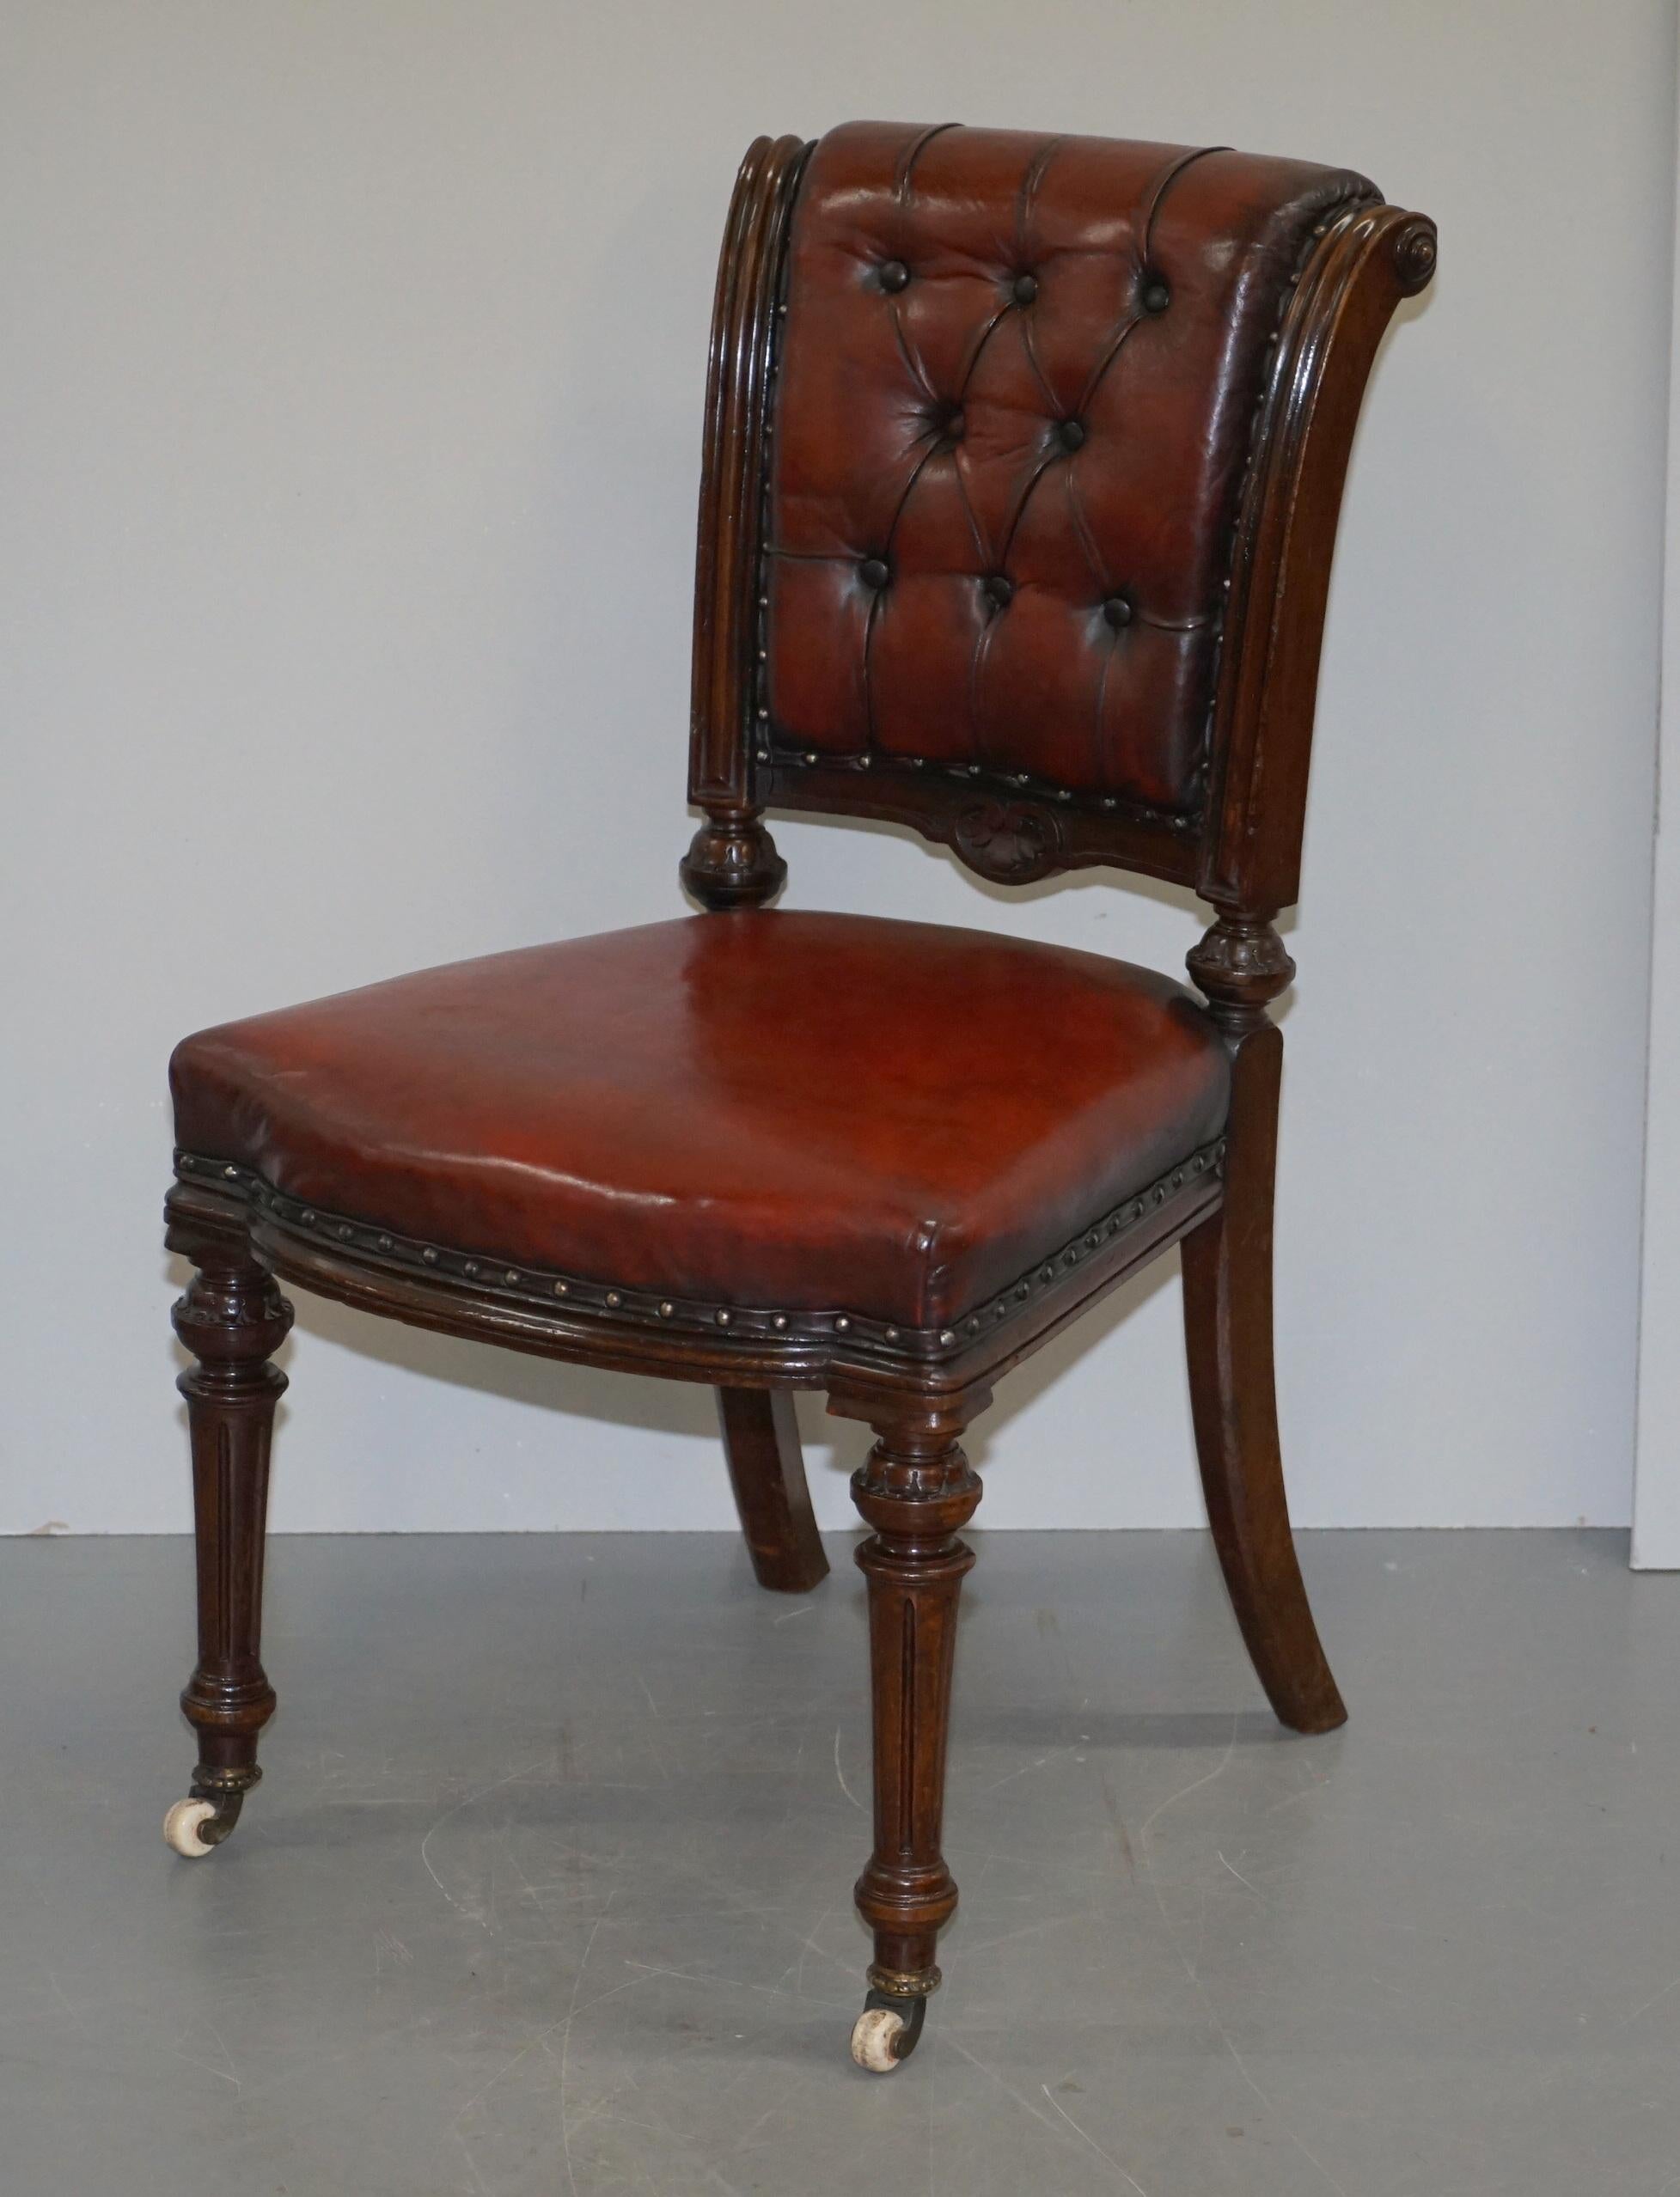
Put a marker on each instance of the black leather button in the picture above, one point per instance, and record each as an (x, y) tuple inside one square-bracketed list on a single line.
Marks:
[(953, 424), (1155, 295), (1024, 289), (1118, 610), (893, 274), (999, 588), (873, 572), (1071, 435)]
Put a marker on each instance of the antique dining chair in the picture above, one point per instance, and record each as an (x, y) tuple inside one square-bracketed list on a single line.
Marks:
[(1022, 462)]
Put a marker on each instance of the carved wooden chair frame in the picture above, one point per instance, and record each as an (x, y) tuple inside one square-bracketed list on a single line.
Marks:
[(917, 1389)]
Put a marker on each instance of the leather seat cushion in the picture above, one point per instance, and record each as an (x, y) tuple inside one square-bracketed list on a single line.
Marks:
[(819, 1112)]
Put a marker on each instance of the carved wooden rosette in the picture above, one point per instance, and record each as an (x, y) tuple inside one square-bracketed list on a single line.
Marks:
[(1012, 842), (917, 1492), (232, 1319)]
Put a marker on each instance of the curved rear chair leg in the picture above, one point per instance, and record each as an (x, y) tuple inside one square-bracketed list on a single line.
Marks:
[(767, 1472), (916, 1490), (1241, 964), (231, 1319)]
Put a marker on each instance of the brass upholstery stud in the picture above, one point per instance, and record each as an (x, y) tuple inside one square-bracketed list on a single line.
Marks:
[(666, 1310), (428, 1255), (614, 1298)]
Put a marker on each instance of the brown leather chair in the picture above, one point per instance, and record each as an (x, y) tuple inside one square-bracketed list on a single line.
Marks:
[(1022, 462)]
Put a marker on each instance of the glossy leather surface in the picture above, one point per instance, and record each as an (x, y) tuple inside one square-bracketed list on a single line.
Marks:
[(1015, 397), (813, 1111)]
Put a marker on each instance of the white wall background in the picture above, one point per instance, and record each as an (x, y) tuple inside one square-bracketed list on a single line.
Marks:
[(1656, 1537), (350, 391)]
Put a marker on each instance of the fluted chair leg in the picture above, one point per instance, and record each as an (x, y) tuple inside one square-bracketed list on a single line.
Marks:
[(232, 1319), (916, 1490)]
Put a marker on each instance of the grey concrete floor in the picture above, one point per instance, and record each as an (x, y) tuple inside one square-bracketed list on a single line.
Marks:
[(549, 1888)]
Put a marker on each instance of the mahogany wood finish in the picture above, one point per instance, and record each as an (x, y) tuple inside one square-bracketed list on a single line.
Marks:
[(916, 1490), (232, 1319), (1227, 1264), (1023, 458), (767, 1472), (733, 862)]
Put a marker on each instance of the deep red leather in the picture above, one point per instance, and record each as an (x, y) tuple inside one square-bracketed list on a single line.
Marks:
[(1014, 403), (819, 1112)]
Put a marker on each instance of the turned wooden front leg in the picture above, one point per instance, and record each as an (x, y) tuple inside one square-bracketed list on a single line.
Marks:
[(916, 1491), (232, 1319)]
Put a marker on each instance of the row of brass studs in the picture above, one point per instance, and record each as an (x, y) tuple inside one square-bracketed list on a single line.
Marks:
[(1012, 782), (588, 1297), (1209, 1161)]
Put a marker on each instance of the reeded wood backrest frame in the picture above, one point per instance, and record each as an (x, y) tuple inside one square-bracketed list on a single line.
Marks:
[(1240, 848)]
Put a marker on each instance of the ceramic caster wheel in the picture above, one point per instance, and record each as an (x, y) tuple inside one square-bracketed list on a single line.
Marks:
[(885, 2033), (875, 2039), (184, 1825)]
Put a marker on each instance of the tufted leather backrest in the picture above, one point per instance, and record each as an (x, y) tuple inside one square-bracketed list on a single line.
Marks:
[(1017, 390), (1023, 460)]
